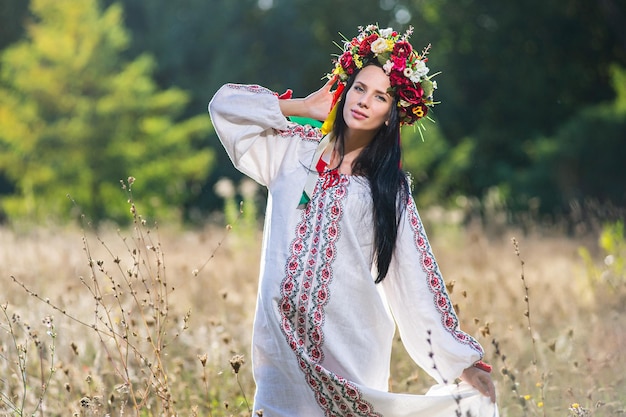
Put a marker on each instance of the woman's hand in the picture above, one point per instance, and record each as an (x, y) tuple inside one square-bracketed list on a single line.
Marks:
[(480, 380), (315, 106)]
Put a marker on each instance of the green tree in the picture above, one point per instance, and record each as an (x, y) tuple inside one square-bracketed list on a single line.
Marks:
[(280, 44), (514, 73), (584, 159), (76, 119), (13, 13)]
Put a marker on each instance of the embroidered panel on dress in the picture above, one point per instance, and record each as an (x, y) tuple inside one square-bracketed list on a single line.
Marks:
[(257, 89), (306, 132), (435, 281), (305, 292)]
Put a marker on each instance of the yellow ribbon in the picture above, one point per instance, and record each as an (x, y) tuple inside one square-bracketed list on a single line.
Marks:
[(327, 127)]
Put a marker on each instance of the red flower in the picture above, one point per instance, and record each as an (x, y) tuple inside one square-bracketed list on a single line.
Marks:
[(288, 287), (293, 265), (402, 49), (397, 78), (316, 336), (352, 393), (318, 316), (347, 63), (434, 281), (363, 407), (442, 301), (411, 94), (322, 294), (366, 44)]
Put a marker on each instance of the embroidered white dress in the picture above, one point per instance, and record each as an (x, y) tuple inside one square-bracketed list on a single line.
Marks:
[(323, 329)]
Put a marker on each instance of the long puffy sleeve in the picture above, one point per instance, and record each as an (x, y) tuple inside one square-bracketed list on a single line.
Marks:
[(417, 296), (254, 132)]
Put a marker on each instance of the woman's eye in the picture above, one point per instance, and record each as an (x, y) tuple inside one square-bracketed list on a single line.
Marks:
[(381, 98), (358, 88)]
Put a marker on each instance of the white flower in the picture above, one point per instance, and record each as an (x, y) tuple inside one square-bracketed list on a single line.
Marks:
[(408, 72), (421, 69), (434, 85), (371, 28), (404, 103), (385, 33), (379, 46), (388, 67)]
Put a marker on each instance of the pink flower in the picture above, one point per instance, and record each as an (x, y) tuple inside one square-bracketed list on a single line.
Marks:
[(399, 64)]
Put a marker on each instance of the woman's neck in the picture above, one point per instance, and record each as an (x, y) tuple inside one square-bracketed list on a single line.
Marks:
[(353, 145)]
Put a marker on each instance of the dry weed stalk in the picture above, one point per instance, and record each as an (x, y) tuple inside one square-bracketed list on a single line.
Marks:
[(506, 369), (132, 317), (22, 337), (431, 354)]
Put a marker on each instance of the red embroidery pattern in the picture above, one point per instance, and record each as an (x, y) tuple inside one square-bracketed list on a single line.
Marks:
[(251, 88), (435, 280), (305, 292), (331, 178), (306, 132)]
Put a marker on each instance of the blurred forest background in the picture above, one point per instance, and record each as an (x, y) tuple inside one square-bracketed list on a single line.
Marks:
[(532, 115)]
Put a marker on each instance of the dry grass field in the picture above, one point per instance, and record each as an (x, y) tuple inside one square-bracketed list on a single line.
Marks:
[(171, 311)]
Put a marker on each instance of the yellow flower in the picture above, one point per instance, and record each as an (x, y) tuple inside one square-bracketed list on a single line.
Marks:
[(338, 70), (540, 404), (418, 111), (527, 397), (575, 405)]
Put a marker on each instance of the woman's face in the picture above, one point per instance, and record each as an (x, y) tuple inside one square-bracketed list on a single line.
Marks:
[(368, 104)]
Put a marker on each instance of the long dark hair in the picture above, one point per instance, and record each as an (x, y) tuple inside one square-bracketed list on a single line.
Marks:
[(379, 162)]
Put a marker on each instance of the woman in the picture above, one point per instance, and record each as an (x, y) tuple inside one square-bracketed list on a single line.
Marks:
[(345, 257)]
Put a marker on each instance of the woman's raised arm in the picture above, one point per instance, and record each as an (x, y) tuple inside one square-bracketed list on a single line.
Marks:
[(315, 106)]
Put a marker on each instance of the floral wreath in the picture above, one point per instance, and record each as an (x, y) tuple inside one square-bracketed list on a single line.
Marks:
[(405, 67)]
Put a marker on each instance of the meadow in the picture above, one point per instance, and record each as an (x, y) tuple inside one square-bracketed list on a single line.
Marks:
[(155, 320)]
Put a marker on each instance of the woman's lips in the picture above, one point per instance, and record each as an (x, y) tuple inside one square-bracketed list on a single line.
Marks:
[(358, 115)]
